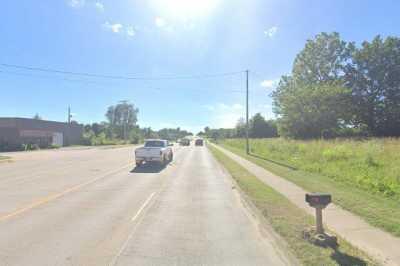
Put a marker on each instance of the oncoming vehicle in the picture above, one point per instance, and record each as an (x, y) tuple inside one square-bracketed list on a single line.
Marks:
[(154, 150), (199, 142)]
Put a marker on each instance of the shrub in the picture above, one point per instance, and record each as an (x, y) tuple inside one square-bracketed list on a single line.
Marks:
[(336, 153)]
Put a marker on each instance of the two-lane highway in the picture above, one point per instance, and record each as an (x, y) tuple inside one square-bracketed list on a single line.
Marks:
[(91, 207)]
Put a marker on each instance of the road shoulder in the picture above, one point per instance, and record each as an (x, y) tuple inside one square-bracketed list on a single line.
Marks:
[(256, 217), (287, 219)]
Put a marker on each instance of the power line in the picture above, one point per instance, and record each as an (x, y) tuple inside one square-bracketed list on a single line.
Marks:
[(100, 84), (50, 77), (57, 71)]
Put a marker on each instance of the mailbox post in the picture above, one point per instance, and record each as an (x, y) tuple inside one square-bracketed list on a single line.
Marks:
[(319, 223), (319, 201), (317, 236)]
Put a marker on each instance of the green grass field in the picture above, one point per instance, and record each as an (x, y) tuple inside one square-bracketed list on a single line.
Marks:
[(288, 220), (363, 176)]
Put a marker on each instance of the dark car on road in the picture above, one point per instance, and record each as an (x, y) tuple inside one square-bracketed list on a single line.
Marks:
[(185, 142), (199, 142)]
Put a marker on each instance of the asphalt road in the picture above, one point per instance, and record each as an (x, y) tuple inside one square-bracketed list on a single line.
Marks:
[(92, 207)]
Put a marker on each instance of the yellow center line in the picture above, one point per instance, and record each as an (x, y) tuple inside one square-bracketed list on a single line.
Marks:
[(57, 195)]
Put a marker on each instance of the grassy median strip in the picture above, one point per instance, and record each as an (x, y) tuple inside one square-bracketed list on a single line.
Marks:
[(288, 220), (378, 210)]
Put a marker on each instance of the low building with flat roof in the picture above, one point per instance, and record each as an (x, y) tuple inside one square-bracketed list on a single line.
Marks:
[(15, 132)]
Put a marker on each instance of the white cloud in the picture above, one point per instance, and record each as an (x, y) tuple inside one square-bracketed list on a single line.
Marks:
[(99, 6), (160, 22), (130, 31), (116, 28), (76, 3), (271, 31), (270, 83), (81, 3)]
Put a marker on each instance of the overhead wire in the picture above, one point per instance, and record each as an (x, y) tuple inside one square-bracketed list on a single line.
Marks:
[(87, 81), (121, 77)]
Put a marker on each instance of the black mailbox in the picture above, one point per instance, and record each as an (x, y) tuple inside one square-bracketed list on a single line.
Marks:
[(318, 199)]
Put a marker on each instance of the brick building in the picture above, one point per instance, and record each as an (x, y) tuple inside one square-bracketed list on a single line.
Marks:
[(15, 132)]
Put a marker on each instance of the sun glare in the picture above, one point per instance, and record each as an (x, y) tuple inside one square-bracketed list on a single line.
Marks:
[(186, 9)]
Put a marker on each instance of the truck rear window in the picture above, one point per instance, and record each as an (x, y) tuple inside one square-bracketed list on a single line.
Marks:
[(154, 144)]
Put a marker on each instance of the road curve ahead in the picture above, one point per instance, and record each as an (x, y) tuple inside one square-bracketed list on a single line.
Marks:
[(92, 207)]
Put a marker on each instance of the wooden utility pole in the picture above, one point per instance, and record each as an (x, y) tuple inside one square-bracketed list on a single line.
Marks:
[(247, 112), (69, 115), (67, 141), (126, 117)]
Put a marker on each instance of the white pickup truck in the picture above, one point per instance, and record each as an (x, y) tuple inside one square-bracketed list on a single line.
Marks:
[(154, 150)]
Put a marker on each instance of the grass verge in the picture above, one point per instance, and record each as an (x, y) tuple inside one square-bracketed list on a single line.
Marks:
[(370, 164), (5, 158), (288, 220), (377, 210)]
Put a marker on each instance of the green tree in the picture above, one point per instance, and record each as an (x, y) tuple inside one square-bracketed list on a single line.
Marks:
[(240, 128), (374, 77), (148, 133), (260, 128), (98, 128), (135, 135), (215, 134), (122, 118), (323, 59), (173, 133), (312, 101), (313, 111)]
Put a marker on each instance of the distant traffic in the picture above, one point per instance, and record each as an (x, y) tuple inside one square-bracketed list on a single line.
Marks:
[(160, 151)]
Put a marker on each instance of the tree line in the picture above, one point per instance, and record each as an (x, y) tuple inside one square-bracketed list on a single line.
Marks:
[(338, 89), (258, 128), (335, 89), (121, 127)]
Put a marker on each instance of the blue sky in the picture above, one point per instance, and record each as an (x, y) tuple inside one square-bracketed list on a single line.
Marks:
[(164, 38)]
